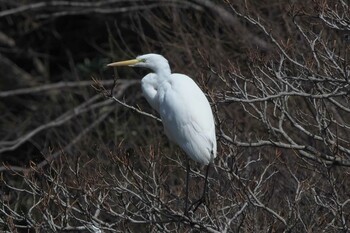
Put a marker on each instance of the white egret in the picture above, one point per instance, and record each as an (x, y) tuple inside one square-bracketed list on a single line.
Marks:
[(185, 111)]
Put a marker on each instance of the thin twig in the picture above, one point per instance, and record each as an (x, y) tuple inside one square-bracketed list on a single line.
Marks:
[(59, 85)]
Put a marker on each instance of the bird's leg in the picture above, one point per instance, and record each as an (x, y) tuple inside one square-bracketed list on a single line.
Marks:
[(202, 198), (187, 180)]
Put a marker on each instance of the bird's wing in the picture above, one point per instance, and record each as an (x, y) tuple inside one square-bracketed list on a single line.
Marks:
[(188, 119)]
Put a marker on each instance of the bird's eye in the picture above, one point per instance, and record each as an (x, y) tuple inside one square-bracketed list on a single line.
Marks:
[(143, 60)]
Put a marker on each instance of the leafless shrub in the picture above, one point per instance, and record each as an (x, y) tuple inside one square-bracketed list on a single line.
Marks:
[(277, 77)]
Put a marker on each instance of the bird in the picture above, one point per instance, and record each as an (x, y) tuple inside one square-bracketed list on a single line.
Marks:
[(185, 111)]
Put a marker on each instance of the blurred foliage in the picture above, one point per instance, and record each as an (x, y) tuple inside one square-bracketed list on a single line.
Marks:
[(49, 42)]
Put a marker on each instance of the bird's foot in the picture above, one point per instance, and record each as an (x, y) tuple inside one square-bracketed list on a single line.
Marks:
[(197, 203)]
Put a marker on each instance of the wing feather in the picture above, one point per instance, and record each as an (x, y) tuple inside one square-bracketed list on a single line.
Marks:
[(187, 118)]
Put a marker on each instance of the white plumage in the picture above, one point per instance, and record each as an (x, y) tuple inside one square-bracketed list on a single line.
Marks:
[(185, 111)]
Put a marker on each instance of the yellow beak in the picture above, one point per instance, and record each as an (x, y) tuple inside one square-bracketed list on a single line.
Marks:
[(124, 63)]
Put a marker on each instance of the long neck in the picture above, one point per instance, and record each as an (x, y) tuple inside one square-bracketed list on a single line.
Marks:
[(163, 71)]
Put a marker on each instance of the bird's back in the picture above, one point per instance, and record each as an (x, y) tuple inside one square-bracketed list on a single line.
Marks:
[(187, 118)]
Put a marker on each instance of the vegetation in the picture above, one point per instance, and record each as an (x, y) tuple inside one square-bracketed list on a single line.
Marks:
[(82, 151)]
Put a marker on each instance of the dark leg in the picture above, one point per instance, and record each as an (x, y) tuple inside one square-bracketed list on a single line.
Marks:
[(202, 198), (205, 190), (187, 180)]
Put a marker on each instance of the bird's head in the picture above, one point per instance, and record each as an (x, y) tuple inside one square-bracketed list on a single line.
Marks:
[(152, 61)]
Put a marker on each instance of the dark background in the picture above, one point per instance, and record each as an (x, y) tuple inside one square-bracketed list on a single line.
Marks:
[(62, 136)]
